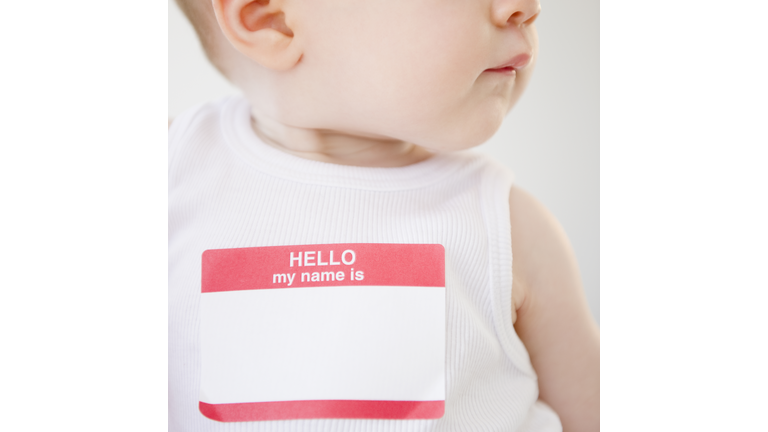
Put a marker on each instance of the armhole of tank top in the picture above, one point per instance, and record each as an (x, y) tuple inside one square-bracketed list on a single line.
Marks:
[(496, 186)]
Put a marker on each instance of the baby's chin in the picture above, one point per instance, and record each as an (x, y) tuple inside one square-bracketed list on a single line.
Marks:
[(461, 136)]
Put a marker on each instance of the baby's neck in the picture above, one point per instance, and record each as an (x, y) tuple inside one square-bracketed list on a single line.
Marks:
[(338, 147)]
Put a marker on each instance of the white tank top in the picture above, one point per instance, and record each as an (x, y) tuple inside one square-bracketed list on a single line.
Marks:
[(227, 189)]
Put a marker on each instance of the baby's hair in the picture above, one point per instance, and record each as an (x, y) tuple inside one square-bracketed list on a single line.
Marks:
[(200, 14)]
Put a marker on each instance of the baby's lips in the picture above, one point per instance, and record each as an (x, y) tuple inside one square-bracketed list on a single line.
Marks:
[(517, 62)]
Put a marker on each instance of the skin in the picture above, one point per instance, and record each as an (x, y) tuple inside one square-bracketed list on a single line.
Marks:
[(371, 83), (388, 83), (551, 315)]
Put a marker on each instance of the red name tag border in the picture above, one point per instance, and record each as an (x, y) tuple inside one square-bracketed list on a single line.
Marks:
[(315, 409), (383, 264)]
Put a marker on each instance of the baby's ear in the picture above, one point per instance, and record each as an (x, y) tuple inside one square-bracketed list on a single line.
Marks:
[(257, 29)]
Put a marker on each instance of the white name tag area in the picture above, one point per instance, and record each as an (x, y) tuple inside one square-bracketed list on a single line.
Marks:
[(323, 331)]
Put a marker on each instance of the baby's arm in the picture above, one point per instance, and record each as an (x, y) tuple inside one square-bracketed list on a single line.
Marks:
[(551, 315)]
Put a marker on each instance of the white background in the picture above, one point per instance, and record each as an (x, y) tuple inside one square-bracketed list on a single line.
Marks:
[(550, 140), (683, 185)]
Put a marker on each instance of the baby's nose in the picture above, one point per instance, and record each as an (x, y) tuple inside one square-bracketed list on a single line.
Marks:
[(514, 12)]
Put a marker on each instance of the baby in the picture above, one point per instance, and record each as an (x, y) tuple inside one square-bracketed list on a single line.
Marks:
[(336, 262)]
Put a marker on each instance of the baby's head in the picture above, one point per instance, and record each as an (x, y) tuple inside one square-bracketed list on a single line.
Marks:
[(438, 73)]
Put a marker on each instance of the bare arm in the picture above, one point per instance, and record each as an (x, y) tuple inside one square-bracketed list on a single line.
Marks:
[(552, 317)]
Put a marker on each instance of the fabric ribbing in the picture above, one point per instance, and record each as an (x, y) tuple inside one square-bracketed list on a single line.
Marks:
[(229, 190)]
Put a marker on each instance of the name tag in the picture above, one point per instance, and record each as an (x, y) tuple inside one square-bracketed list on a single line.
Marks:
[(351, 331)]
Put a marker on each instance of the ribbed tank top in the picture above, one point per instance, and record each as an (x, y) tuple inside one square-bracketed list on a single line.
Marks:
[(228, 189)]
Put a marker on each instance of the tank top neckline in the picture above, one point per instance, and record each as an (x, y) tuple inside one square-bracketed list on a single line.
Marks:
[(237, 131)]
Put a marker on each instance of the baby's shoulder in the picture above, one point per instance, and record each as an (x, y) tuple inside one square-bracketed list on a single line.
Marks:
[(543, 260)]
